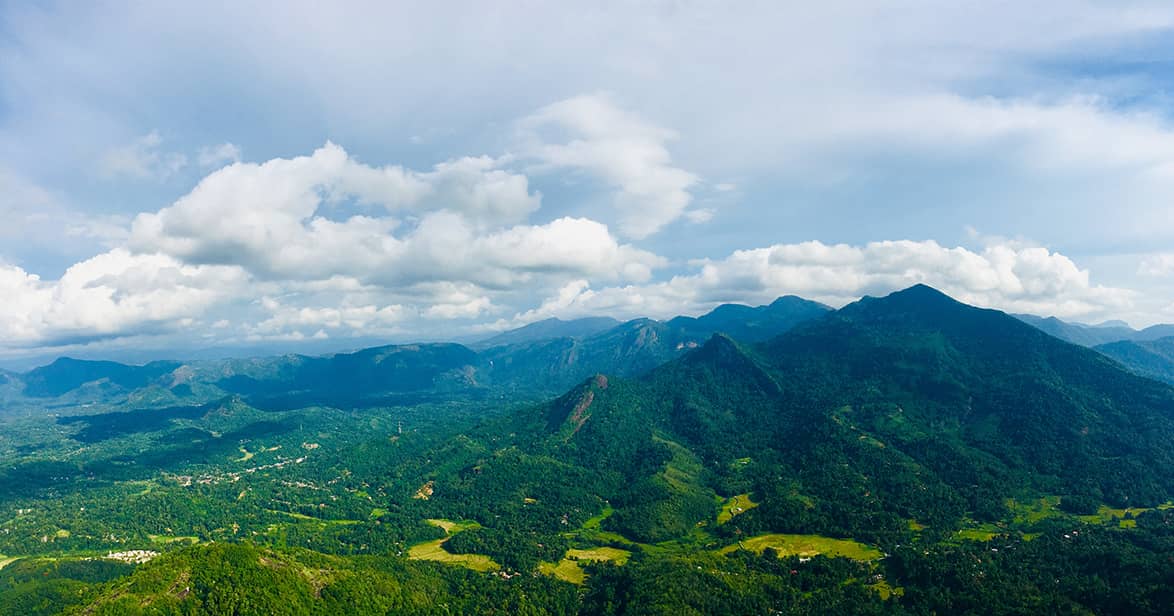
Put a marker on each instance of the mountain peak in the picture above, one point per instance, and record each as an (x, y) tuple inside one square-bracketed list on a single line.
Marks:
[(720, 350), (793, 301), (920, 300), (922, 292)]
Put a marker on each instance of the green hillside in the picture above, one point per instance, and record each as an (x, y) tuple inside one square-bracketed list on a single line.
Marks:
[(905, 454)]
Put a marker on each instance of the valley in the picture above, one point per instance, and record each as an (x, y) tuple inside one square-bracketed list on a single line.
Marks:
[(906, 454)]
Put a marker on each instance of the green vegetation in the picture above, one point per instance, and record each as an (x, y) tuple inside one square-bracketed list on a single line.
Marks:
[(601, 554), (434, 550), (1109, 515), (451, 527), (901, 455), (566, 570), (983, 533), (806, 546), (735, 505)]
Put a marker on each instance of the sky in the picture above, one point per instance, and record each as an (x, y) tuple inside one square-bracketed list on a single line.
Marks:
[(204, 177)]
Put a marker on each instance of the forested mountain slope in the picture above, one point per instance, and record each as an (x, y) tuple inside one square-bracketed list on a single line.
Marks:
[(1152, 358), (534, 361), (905, 454)]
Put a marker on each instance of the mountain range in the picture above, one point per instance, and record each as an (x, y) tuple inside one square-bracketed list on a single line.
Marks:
[(537, 360), (902, 454), (912, 406)]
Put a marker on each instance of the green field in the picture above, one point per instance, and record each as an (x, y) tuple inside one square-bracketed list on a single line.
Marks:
[(434, 550), (614, 555), (453, 527), (566, 570), (1030, 512), (984, 533), (735, 505), (173, 539), (807, 546), (1108, 515), (569, 570), (309, 518)]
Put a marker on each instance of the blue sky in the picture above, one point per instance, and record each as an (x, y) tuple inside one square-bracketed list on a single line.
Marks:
[(240, 176)]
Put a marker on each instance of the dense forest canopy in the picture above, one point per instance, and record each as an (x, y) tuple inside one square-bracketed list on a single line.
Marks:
[(905, 454)]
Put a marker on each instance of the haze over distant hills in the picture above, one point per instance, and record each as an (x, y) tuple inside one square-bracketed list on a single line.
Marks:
[(539, 359), (1092, 335), (873, 453), (549, 328)]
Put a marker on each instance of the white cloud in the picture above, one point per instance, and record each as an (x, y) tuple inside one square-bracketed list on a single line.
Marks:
[(285, 320), (314, 246), (1010, 276), (141, 159), (593, 135), (326, 246), (274, 220), (218, 155), (1157, 265), (113, 294)]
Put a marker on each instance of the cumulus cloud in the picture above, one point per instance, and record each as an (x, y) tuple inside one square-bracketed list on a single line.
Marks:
[(286, 320), (593, 135), (143, 158), (1010, 276), (320, 246), (113, 294), (279, 220)]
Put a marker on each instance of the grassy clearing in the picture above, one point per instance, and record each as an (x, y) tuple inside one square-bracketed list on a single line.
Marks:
[(1108, 515), (434, 551), (604, 536), (453, 527), (591, 532), (307, 518), (740, 463), (916, 526), (146, 485), (165, 539), (985, 532), (885, 590), (566, 570), (595, 522), (734, 506), (806, 546), (1030, 512), (615, 555), (569, 568)]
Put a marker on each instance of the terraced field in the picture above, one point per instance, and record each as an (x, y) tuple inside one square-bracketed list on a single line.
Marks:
[(806, 546), (734, 506), (434, 550)]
